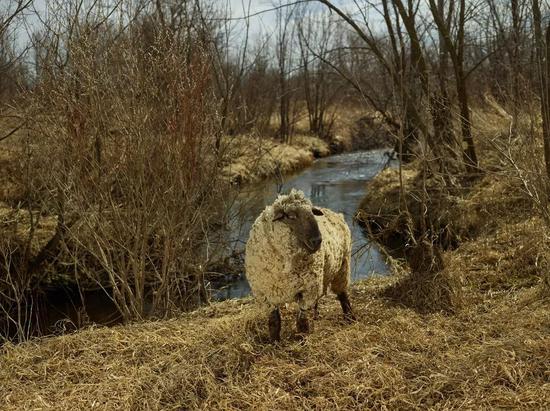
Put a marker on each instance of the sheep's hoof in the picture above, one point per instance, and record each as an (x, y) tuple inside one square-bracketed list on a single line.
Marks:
[(316, 311), (275, 325)]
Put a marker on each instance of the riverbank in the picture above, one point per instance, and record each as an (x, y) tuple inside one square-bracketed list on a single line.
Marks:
[(64, 275), (491, 352), (254, 159)]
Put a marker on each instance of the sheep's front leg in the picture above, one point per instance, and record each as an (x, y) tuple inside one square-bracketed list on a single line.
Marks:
[(275, 325), (302, 322), (316, 310)]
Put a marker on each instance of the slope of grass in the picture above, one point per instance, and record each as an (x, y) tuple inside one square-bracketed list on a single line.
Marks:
[(254, 159), (495, 353)]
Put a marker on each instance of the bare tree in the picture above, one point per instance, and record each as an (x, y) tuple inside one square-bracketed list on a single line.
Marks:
[(11, 12), (441, 140), (257, 97), (315, 40), (455, 48), (230, 49), (543, 71), (414, 124), (507, 32), (284, 56), (11, 53)]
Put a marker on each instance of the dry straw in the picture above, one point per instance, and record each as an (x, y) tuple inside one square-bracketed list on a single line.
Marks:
[(491, 352), (494, 354)]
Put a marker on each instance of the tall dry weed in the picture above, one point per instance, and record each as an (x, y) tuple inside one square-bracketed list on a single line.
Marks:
[(123, 151)]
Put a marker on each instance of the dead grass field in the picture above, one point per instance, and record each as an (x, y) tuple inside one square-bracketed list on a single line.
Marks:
[(492, 353)]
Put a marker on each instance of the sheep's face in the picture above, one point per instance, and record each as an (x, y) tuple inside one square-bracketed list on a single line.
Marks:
[(302, 223)]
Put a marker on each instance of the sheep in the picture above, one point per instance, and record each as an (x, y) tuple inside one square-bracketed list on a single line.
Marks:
[(295, 251)]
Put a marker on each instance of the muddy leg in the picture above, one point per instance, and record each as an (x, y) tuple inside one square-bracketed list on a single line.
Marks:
[(302, 323), (346, 306), (275, 325), (316, 310)]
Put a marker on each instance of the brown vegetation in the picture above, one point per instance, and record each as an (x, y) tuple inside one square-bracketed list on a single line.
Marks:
[(503, 199), (115, 143), (490, 350), (119, 143), (492, 354), (254, 158)]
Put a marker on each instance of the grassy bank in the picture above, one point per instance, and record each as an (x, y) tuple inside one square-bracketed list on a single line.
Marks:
[(492, 352), (254, 159)]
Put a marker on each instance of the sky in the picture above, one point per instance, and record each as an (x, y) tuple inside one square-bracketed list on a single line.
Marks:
[(262, 20)]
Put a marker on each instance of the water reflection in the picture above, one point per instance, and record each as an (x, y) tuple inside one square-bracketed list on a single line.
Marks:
[(337, 183), (317, 191)]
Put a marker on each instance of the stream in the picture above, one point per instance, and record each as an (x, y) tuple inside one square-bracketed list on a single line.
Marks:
[(336, 182)]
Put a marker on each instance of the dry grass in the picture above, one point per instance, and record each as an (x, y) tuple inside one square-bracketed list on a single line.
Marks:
[(493, 354), (318, 147), (15, 226), (121, 147), (10, 187), (254, 159)]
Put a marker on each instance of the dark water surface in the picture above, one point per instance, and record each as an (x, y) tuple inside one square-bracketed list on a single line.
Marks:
[(336, 182)]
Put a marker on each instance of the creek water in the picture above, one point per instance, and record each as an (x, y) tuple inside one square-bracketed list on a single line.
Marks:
[(336, 182)]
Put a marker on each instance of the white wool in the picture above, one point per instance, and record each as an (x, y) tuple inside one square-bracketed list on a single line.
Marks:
[(278, 268)]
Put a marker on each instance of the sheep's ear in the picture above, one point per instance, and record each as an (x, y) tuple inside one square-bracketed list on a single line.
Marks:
[(317, 211), (278, 215)]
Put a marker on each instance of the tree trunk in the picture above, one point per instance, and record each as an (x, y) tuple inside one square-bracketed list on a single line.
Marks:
[(544, 71), (515, 64), (456, 52), (469, 153), (284, 112)]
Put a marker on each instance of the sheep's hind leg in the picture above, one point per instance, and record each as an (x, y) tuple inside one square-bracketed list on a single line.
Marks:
[(275, 324), (302, 322), (346, 306), (316, 310)]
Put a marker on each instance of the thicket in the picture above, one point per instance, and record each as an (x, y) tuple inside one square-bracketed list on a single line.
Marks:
[(119, 168)]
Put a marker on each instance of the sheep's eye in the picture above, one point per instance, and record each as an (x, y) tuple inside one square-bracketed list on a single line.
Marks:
[(291, 216)]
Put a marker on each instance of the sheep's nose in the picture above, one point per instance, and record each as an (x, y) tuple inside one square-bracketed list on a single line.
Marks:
[(315, 243)]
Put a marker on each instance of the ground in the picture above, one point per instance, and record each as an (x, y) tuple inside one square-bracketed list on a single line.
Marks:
[(254, 159), (494, 354)]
